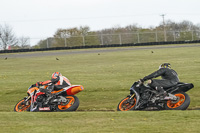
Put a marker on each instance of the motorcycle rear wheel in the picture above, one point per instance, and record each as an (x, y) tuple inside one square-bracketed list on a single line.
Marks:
[(182, 103), (125, 105), (21, 106), (71, 105)]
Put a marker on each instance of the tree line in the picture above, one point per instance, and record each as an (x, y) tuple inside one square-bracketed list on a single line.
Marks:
[(78, 36)]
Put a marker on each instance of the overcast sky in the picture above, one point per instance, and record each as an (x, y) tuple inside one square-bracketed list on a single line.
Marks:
[(41, 18)]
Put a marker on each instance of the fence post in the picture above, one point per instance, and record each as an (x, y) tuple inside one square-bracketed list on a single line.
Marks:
[(102, 39), (65, 42), (83, 40), (120, 39), (174, 35), (29, 43), (192, 35), (47, 42), (156, 35), (138, 35)]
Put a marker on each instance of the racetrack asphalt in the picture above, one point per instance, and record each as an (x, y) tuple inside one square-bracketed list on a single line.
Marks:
[(96, 50)]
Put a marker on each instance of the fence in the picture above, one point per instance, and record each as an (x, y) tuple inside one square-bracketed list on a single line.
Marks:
[(121, 38), (112, 39)]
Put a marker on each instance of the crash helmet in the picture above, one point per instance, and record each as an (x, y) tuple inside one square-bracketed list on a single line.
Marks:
[(55, 77), (165, 65)]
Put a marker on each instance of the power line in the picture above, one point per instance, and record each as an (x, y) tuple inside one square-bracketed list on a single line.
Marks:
[(100, 17), (58, 19)]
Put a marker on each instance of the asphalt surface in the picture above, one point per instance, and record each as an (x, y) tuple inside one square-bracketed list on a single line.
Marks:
[(82, 51)]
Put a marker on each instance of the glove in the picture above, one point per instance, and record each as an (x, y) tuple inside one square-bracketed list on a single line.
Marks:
[(38, 84)]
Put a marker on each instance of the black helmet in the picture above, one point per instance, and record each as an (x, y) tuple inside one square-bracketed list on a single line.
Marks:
[(165, 65)]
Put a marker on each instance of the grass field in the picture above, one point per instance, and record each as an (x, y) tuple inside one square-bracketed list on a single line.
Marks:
[(106, 77)]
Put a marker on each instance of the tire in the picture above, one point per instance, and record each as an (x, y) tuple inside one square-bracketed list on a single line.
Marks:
[(20, 106), (124, 105), (181, 104), (71, 105)]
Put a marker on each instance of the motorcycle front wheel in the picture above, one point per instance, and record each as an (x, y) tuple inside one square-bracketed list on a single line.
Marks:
[(22, 106), (182, 103), (126, 104), (71, 104)]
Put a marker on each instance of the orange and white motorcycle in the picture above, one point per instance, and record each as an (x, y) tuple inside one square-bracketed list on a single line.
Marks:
[(62, 100)]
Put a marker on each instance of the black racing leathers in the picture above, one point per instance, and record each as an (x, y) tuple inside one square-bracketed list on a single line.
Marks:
[(169, 78)]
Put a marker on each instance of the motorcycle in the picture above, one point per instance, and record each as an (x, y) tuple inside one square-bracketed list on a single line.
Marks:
[(62, 100), (143, 97)]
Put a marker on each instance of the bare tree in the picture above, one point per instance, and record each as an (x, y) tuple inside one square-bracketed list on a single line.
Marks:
[(23, 42), (7, 37), (84, 30)]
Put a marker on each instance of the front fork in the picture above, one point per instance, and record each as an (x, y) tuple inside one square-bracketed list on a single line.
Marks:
[(134, 93), (131, 96), (26, 100)]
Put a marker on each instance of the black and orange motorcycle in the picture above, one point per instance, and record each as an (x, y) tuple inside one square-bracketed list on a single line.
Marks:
[(62, 100), (143, 97)]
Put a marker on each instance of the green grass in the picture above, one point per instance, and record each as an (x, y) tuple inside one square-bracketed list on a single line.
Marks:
[(98, 122), (106, 78)]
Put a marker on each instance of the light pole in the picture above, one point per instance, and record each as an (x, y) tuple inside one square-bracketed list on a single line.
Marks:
[(165, 37)]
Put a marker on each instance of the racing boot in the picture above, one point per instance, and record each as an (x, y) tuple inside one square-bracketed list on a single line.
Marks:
[(161, 93)]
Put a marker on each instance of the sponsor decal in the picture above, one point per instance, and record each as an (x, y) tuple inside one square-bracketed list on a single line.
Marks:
[(44, 109), (81, 87)]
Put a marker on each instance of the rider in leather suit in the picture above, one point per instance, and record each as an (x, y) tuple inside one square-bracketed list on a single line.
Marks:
[(169, 79), (57, 82)]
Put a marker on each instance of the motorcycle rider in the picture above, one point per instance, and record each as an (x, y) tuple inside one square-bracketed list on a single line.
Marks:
[(57, 82), (169, 79)]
